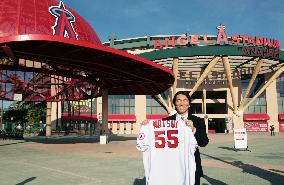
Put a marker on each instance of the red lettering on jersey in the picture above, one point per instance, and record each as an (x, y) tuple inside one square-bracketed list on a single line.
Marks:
[(172, 139), (174, 124)]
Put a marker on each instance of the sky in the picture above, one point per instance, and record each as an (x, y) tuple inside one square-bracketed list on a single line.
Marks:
[(131, 18)]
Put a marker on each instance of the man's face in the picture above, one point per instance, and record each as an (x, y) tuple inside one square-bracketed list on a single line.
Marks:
[(182, 104)]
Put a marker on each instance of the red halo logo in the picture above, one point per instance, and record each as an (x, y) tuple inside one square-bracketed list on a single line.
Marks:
[(64, 21)]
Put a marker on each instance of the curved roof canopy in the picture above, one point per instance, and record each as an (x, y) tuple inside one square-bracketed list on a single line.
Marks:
[(49, 32)]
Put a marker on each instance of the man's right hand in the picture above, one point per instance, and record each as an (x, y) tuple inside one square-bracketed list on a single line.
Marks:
[(145, 122)]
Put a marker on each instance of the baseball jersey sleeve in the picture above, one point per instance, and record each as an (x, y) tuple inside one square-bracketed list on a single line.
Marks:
[(143, 139)]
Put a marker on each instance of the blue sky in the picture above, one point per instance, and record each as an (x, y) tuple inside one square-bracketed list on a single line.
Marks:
[(130, 18)]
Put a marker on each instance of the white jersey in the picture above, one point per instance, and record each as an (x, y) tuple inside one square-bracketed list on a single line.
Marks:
[(168, 148)]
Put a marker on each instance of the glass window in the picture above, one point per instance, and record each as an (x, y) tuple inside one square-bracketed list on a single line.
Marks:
[(121, 104), (154, 107), (259, 104), (280, 93)]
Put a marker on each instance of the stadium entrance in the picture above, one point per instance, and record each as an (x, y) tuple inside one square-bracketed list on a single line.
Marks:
[(216, 125)]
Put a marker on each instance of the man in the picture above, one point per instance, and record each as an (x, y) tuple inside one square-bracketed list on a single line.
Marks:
[(182, 102), (272, 133)]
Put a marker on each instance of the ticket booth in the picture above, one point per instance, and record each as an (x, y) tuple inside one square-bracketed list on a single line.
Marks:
[(256, 122)]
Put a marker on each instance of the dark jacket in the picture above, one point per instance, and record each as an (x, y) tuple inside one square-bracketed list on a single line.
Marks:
[(200, 136)]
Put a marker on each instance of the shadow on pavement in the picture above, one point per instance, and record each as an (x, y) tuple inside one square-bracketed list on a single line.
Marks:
[(12, 143), (74, 139), (227, 148), (213, 181), (279, 171), (209, 179), (273, 178), (26, 181), (115, 137), (62, 139), (140, 181)]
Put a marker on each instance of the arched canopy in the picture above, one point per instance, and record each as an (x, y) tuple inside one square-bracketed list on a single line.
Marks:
[(64, 43)]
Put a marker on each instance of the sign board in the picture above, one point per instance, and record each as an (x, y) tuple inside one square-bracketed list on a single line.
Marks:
[(260, 126), (249, 45), (240, 138), (18, 97)]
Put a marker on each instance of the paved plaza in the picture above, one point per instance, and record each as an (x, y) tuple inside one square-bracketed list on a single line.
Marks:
[(81, 160)]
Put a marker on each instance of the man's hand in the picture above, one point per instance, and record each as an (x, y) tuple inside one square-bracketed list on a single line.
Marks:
[(189, 123), (145, 122)]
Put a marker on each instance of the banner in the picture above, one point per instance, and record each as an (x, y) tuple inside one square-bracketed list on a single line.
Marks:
[(240, 138), (256, 126)]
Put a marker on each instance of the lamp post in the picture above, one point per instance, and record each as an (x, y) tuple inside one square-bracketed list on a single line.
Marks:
[(12, 126), (1, 123), (1, 116)]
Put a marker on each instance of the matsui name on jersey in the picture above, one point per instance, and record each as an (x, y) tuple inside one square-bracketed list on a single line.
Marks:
[(165, 124)]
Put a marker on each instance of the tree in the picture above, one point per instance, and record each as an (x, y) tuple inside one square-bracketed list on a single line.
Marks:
[(35, 115)]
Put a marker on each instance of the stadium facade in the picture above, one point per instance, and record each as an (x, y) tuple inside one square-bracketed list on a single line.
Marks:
[(235, 81)]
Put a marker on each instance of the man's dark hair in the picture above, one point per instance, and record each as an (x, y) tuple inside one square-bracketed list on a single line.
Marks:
[(185, 93)]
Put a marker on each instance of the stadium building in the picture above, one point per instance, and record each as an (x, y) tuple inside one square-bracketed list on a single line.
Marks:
[(49, 53), (235, 81)]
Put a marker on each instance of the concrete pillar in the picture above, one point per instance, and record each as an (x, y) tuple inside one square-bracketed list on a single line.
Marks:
[(104, 138), (227, 68), (128, 128), (237, 119), (140, 112), (271, 103), (273, 77), (204, 109), (1, 116), (205, 73), (114, 127), (175, 71), (206, 123), (99, 114), (54, 114), (254, 75), (48, 119)]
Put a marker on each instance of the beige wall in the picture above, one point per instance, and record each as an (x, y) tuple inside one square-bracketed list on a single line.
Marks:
[(271, 101), (140, 112)]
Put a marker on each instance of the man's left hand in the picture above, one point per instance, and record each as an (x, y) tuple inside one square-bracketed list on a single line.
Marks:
[(189, 123)]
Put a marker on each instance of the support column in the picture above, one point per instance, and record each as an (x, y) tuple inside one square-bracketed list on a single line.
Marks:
[(98, 127), (104, 137), (48, 119), (205, 73), (272, 78), (175, 71), (140, 112), (230, 81), (204, 109), (162, 101), (254, 75), (204, 102), (206, 123), (54, 114), (271, 104)]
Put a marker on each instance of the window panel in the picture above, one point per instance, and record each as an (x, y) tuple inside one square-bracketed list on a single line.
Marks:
[(153, 107)]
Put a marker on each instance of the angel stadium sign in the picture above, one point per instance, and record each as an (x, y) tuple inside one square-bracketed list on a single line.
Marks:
[(249, 45)]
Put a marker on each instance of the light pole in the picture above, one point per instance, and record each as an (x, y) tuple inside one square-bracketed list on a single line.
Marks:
[(12, 126), (1, 116)]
